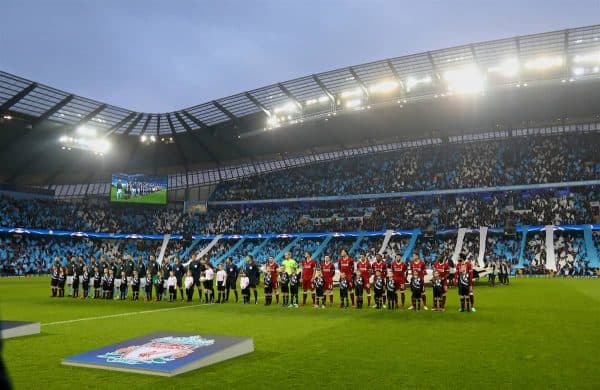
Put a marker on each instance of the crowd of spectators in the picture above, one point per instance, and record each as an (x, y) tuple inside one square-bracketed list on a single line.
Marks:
[(548, 207), (571, 255), (535, 255), (500, 247), (432, 248), (516, 160)]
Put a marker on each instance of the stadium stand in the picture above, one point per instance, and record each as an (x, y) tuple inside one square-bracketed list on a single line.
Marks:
[(527, 160), (428, 190)]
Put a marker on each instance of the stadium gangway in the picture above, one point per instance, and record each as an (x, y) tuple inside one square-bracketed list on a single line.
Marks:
[(231, 250), (189, 249), (322, 246), (523, 244), (287, 249), (460, 238), (386, 240), (355, 246), (483, 230), (550, 252), (411, 244), (163, 248), (590, 247), (257, 248)]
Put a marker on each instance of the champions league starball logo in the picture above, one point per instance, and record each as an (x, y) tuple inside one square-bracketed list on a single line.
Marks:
[(157, 351)]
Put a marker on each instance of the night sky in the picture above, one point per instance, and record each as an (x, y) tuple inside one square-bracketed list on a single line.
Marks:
[(157, 56)]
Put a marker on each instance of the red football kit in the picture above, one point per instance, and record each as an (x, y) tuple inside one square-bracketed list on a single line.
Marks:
[(346, 266), (467, 264), (399, 269), (272, 269), (365, 271), (328, 271), (442, 268), (380, 266), (420, 267), (308, 271)]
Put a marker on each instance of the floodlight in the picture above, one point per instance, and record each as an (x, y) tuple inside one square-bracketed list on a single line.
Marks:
[(143, 138), (412, 82), (86, 130), (507, 68), (352, 93), (289, 107), (543, 63), (384, 86), (464, 80), (353, 103), (589, 58)]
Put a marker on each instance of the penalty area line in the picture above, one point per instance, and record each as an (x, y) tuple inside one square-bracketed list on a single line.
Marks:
[(124, 314)]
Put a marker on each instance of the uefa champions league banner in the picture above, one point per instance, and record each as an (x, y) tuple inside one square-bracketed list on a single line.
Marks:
[(163, 353), (133, 236)]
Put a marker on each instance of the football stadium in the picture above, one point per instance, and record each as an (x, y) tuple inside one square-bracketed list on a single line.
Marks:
[(420, 221)]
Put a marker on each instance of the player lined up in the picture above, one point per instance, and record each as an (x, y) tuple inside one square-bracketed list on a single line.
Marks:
[(379, 281)]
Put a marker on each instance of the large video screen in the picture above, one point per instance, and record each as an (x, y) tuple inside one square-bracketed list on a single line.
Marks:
[(138, 188)]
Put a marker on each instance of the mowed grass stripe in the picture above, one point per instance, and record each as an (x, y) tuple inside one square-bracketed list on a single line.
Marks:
[(124, 314), (535, 333)]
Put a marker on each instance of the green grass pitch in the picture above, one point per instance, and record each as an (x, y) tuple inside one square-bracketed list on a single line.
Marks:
[(158, 197), (535, 333)]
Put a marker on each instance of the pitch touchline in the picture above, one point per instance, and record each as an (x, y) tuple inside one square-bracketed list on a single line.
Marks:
[(124, 314)]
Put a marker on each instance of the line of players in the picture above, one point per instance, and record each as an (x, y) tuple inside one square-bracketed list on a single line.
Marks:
[(357, 279), (362, 277)]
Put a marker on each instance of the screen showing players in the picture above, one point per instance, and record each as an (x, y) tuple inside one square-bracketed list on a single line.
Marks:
[(138, 188)]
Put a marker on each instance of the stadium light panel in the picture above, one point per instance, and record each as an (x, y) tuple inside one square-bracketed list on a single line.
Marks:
[(7, 117), (289, 107), (320, 99), (384, 86), (412, 82), (143, 138), (99, 145), (86, 131), (352, 93), (353, 103), (507, 68), (152, 138), (466, 80), (543, 63), (589, 58), (273, 122)]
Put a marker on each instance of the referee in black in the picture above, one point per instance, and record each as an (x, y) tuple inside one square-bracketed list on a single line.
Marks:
[(197, 268), (253, 273), (232, 275), (179, 271)]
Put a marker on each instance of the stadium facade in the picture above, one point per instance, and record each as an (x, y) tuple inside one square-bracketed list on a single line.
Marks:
[(478, 138), (537, 81)]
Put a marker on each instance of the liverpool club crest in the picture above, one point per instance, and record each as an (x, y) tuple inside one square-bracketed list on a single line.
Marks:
[(157, 351)]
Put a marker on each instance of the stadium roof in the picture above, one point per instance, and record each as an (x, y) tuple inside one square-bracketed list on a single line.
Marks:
[(323, 90), (222, 129)]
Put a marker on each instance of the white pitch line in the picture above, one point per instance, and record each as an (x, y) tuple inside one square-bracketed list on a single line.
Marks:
[(125, 314)]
